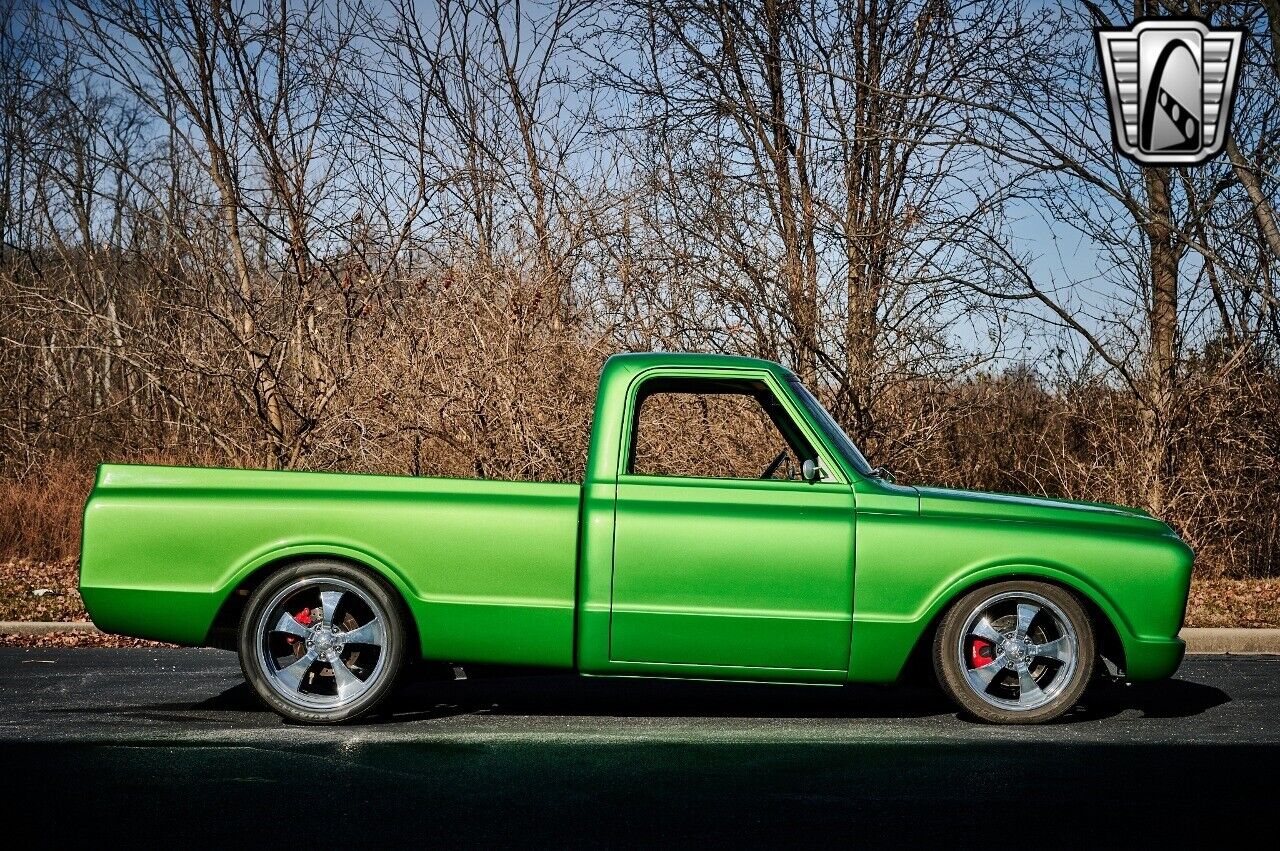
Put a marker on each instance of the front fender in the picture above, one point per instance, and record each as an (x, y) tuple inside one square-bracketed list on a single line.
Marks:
[(1139, 582), (1060, 574), (881, 646)]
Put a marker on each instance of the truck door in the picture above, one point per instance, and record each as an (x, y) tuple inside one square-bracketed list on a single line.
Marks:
[(723, 555)]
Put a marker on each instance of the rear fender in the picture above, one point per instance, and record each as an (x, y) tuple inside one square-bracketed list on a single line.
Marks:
[(239, 576)]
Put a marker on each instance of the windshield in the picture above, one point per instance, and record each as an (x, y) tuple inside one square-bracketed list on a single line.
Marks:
[(830, 428)]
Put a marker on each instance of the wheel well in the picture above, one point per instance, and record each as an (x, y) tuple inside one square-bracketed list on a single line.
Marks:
[(222, 632), (919, 663)]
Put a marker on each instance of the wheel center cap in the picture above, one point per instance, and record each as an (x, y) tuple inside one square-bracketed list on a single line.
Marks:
[(324, 641), (1015, 649)]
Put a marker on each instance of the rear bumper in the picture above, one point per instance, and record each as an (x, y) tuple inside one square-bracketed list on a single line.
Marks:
[(1153, 658)]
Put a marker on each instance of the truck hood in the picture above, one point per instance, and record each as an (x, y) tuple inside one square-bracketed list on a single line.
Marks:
[(1002, 506)]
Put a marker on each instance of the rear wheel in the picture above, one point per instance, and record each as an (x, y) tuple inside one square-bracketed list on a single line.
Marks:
[(1015, 652), (322, 642)]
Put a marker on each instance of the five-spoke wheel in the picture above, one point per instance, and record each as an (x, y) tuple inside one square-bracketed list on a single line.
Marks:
[(321, 642), (1015, 652)]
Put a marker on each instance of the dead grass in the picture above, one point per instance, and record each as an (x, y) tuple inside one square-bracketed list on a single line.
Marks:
[(1234, 602), (78, 639), (41, 511), (22, 586)]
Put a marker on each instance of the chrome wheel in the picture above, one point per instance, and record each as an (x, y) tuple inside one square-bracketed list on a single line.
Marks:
[(321, 643), (1018, 651)]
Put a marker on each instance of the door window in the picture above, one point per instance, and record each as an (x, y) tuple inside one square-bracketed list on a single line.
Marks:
[(714, 429)]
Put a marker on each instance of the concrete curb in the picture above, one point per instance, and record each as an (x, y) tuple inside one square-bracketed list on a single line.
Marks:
[(1230, 640), (1241, 641), (45, 627)]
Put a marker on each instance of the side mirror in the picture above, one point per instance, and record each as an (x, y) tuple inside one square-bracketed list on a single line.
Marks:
[(884, 474), (811, 471)]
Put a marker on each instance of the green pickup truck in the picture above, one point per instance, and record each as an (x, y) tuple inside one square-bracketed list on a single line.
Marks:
[(727, 529)]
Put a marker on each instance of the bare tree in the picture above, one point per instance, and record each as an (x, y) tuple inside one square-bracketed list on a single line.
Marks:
[(809, 170), (255, 97), (506, 125), (1147, 225)]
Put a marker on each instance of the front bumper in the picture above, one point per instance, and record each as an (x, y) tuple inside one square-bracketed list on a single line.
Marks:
[(1152, 658)]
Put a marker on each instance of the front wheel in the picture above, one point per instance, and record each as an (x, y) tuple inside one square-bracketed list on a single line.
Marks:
[(322, 642), (1015, 652)]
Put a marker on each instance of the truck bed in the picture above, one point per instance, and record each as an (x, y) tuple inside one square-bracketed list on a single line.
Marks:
[(487, 567)]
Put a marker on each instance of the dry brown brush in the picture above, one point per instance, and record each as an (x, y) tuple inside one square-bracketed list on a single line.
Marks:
[(403, 238)]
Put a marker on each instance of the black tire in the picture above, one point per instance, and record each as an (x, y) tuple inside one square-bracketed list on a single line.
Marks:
[(259, 644), (1056, 682)]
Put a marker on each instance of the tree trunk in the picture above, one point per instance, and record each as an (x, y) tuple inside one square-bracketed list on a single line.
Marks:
[(1165, 253), (1263, 210)]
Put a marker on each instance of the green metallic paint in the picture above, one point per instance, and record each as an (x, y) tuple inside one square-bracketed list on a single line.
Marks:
[(165, 546), (917, 554), (732, 573), (633, 575)]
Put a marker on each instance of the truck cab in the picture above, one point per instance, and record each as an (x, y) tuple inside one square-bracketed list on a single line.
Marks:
[(728, 561)]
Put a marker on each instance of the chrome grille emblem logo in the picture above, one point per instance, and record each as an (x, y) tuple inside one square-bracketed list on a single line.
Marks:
[(1170, 84)]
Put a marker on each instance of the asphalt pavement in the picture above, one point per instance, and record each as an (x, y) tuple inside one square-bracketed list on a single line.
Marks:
[(171, 746)]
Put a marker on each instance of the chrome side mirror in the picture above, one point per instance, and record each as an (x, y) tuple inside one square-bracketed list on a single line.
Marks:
[(883, 474), (811, 471)]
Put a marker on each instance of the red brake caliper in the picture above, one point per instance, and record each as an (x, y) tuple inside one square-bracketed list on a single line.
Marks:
[(303, 617), (980, 652)]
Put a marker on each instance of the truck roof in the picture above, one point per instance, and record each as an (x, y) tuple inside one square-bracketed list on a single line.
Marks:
[(636, 361)]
